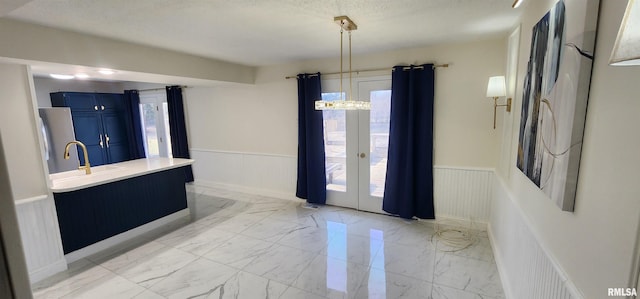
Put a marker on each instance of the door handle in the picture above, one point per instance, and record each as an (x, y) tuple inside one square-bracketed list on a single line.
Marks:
[(107, 138), (101, 141), (362, 155)]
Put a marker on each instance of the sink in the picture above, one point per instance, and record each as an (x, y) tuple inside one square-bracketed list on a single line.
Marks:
[(74, 174)]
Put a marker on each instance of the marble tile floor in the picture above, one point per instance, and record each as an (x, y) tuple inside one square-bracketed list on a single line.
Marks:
[(245, 246)]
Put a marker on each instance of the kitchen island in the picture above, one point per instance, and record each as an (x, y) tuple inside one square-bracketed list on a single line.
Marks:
[(117, 202)]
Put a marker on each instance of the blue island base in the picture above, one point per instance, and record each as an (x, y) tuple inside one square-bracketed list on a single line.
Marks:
[(93, 214)]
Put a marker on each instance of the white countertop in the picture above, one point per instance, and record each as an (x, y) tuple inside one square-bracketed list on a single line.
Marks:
[(78, 179)]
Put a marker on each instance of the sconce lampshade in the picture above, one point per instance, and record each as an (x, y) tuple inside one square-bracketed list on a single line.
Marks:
[(626, 50), (496, 87)]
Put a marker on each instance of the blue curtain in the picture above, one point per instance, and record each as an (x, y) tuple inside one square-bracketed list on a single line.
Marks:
[(136, 142), (178, 128), (408, 190), (312, 179)]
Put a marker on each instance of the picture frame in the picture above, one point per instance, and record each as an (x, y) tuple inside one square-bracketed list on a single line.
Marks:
[(555, 96)]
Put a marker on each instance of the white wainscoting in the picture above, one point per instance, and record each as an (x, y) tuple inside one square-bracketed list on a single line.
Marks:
[(460, 193), (264, 174), (463, 193), (526, 269), (40, 236)]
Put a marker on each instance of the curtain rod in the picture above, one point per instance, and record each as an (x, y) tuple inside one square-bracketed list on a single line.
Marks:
[(159, 88), (374, 70)]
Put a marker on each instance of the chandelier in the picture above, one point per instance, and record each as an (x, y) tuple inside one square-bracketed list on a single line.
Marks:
[(343, 104)]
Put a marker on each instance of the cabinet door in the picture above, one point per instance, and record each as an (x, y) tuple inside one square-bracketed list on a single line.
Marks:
[(88, 129), (100, 123), (116, 138), (109, 102), (79, 101)]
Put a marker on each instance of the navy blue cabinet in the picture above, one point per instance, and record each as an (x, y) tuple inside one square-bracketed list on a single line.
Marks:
[(90, 215), (100, 122), (87, 127)]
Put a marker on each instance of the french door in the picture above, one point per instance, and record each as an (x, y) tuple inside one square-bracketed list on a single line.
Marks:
[(154, 116), (356, 144)]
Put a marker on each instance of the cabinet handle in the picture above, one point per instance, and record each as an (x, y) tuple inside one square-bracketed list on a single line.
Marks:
[(107, 138), (102, 107), (101, 141), (95, 108)]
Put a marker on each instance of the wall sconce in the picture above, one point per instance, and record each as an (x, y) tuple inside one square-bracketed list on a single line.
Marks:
[(626, 50), (495, 89)]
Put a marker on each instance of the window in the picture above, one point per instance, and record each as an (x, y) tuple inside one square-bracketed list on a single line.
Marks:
[(154, 114)]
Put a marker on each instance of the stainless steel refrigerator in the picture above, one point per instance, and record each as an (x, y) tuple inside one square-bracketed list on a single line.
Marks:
[(57, 129)]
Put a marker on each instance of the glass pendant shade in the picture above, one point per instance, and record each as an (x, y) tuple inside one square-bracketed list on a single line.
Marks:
[(342, 105)]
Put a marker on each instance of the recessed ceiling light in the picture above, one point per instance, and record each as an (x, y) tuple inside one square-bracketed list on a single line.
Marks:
[(106, 72), (60, 76), (82, 76)]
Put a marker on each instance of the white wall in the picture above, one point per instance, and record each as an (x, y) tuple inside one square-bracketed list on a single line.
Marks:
[(592, 248), (27, 173), (263, 117), (18, 127), (260, 119), (44, 86), (13, 269)]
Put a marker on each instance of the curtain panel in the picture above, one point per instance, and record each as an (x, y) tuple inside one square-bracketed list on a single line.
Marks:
[(409, 182), (178, 128), (136, 142), (311, 181)]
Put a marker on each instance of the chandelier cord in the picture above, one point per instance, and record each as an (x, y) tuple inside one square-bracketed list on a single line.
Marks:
[(342, 97), (344, 104), (350, 74)]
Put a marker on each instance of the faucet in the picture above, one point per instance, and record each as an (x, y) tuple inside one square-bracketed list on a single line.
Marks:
[(87, 166)]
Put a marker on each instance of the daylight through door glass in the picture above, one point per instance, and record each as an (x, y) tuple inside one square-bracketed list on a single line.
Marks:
[(379, 140), (335, 144)]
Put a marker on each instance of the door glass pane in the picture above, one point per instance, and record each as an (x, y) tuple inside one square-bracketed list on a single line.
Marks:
[(335, 144), (379, 140), (148, 116)]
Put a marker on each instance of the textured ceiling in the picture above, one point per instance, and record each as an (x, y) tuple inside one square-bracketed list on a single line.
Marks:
[(264, 32)]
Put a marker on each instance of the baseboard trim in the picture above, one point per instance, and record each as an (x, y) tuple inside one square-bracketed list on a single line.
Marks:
[(125, 236), (47, 271)]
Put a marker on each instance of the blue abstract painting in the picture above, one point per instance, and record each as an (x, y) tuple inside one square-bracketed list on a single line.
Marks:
[(554, 101)]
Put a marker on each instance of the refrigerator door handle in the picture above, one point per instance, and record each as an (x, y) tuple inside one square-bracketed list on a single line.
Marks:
[(101, 144)]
